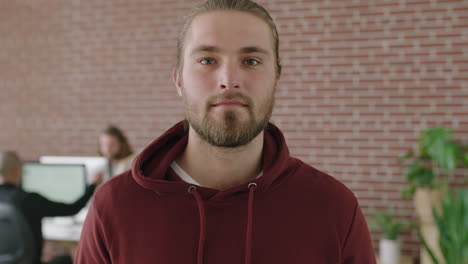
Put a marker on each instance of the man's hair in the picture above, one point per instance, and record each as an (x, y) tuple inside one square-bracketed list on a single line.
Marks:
[(246, 6), (9, 160), (125, 149)]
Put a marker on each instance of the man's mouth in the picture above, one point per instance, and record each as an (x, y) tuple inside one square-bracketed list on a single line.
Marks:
[(230, 103)]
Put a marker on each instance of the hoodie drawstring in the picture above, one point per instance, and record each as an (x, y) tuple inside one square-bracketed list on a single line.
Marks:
[(248, 236), (201, 211)]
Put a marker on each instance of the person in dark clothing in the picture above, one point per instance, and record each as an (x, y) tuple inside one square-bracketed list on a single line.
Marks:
[(32, 205)]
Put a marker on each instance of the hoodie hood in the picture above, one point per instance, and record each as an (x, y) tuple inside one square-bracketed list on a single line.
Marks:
[(150, 168)]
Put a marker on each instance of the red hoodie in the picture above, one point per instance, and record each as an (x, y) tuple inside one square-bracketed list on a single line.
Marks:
[(292, 214)]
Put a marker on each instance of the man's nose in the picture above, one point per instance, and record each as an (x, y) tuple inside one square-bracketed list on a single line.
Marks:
[(229, 75)]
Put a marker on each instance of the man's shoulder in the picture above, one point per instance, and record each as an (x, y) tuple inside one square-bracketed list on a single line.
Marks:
[(319, 182), (10, 192), (116, 186)]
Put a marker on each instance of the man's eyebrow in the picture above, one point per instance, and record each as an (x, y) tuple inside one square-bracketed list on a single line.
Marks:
[(205, 48), (249, 49), (254, 49)]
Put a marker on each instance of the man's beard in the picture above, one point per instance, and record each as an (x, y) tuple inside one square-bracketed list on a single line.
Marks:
[(230, 131)]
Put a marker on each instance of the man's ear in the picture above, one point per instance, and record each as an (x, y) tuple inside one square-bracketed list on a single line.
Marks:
[(177, 81)]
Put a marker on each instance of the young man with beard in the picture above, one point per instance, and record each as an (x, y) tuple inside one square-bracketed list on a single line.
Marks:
[(221, 186)]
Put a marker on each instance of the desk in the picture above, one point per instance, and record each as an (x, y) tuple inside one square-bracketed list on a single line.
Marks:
[(61, 229), (66, 229), (62, 234)]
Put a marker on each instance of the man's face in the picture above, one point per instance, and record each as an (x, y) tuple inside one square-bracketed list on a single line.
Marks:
[(228, 78)]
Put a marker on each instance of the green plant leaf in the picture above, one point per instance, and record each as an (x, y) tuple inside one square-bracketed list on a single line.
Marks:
[(390, 225), (425, 177), (408, 155), (428, 249), (408, 191), (448, 156), (452, 224), (432, 140)]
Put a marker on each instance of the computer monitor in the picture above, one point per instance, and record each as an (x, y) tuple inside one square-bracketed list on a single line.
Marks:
[(57, 182), (93, 165)]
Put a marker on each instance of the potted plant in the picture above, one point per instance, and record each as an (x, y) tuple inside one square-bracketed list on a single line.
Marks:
[(433, 164), (428, 170), (452, 224), (391, 227)]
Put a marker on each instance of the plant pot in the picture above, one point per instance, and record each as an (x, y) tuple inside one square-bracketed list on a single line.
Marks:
[(389, 251), (425, 200)]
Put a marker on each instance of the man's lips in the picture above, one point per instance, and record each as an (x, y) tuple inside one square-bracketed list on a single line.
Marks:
[(229, 103)]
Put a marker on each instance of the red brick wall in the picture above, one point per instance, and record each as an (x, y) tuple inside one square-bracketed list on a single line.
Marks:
[(361, 79)]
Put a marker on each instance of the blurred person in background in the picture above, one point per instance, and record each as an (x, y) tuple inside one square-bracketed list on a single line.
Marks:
[(34, 206), (113, 145)]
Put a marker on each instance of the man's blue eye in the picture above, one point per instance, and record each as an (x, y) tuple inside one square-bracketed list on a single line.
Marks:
[(207, 61), (252, 62)]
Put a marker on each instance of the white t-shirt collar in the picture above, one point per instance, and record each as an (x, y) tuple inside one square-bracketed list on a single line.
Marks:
[(187, 178)]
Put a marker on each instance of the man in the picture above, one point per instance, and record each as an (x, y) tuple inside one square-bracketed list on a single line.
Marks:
[(221, 187), (34, 206)]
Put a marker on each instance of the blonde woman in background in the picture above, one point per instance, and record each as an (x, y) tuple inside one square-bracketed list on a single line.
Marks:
[(113, 144)]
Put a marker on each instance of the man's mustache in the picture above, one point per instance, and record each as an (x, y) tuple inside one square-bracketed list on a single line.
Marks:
[(230, 96)]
